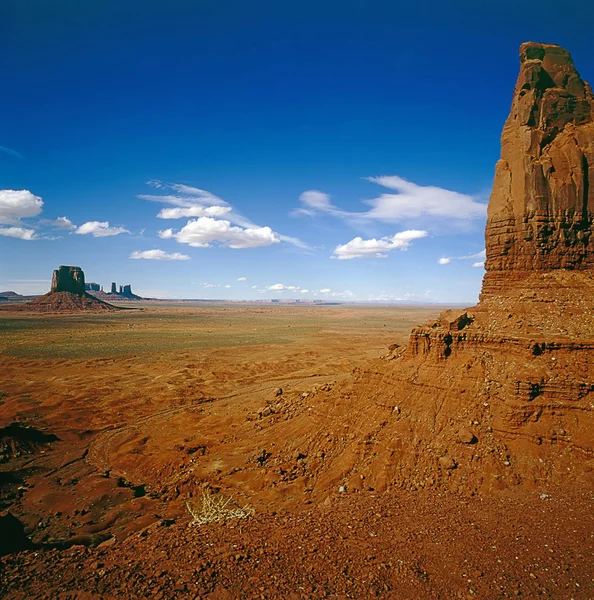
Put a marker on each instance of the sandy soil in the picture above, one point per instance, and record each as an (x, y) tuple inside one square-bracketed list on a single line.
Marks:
[(154, 408)]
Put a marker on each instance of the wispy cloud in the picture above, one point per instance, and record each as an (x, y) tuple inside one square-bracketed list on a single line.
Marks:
[(158, 255), (99, 229), (481, 254), (374, 248), (12, 152), (410, 201), (314, 201), (446, 260), (193, 211), (60, 223), (241, 279)]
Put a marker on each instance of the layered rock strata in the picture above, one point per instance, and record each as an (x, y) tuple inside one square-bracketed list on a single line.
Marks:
[(516, 372), (542, 204)]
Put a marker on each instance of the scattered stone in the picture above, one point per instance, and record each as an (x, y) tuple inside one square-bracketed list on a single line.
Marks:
[(107, 543), (466, 436), (447, 462)]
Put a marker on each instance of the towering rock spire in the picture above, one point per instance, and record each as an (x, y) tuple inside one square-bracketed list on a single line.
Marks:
[(541, 209)]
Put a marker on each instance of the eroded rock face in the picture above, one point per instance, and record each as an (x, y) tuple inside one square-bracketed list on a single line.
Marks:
[(542, 205), (69, 279)]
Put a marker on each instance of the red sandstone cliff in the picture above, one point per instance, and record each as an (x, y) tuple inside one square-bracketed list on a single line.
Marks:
[(542, 204)]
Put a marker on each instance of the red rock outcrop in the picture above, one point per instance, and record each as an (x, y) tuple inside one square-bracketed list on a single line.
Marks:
[(67, 295), (517, 370), (68, 279), (542, 204)]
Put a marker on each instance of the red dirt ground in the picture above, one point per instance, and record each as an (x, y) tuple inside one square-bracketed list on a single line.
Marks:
[(152, 409)]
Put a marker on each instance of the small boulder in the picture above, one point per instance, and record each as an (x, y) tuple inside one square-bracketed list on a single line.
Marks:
[(447, 462), (466, 436)]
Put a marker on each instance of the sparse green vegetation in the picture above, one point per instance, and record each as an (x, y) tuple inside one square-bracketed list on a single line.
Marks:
[(175, 329)]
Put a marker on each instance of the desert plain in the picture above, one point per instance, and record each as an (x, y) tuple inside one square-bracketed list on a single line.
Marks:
[(127, 421)]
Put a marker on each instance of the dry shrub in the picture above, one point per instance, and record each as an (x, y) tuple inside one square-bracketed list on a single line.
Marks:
[(216, 508)]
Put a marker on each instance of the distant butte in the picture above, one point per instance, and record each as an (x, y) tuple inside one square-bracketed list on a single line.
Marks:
[(67, 294)]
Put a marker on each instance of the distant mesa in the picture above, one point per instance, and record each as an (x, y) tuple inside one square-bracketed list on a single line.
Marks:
[(67, 294), (124, 293)]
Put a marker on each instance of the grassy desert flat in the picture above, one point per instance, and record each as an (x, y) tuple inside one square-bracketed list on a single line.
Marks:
[(176, 328)]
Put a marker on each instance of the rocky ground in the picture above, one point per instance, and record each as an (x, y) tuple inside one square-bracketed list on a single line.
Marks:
[(118, 426), (396, 545)]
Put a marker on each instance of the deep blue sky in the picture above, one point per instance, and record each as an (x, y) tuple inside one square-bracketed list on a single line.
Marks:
[(256, 103)]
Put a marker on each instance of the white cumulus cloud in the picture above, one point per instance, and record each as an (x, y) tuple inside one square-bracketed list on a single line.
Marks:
[(195, 202), (158, 255), (241, 279), (18, 204), (99, 229), (19, 232), (444, 260), (279, 287), (373, 248), (325, 291), (202, 232), (478, 264)]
